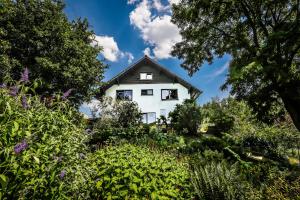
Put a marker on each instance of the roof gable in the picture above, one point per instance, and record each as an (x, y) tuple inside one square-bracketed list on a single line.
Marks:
[(160, 75)]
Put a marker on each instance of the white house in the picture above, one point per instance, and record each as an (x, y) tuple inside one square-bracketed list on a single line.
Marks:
[(155, 89)]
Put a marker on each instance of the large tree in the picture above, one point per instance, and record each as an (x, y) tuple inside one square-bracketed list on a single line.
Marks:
[(263, 39), (37, 34)]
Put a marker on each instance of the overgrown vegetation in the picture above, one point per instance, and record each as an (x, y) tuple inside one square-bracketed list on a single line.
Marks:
[(42, 147), (221, 150), (132, 172)]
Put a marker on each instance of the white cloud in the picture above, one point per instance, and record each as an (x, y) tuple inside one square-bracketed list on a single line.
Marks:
[(110, 47), (217, 72), (174, 2), (129, 56), (158, 6), (147, 52), (132, 1), (221, 70), (157, 31)]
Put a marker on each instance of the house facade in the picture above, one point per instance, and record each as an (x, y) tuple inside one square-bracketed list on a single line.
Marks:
[(155, 89)]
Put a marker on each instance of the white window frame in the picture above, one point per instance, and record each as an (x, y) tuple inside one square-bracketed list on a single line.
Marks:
[(146, 121), (146, 76)]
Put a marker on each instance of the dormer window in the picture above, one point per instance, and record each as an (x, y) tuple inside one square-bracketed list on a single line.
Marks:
[(146, 76)]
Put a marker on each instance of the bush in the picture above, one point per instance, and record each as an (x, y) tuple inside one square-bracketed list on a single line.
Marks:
[(216, 180), (42, 149), (186, 117), (132, 172), (120, 119), (218, 113)]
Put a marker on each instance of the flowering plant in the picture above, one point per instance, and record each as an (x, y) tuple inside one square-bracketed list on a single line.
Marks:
[(41, 146)]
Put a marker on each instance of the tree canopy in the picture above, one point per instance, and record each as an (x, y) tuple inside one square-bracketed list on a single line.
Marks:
[(263, 38), (37, 35)]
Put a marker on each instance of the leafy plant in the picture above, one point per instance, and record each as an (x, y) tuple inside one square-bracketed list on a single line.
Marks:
[(186, 117), (42, 147), (133, 172), (216, 180), (120, 119), (219, 115)]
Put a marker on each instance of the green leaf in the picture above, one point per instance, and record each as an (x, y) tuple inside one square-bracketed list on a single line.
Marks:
[(133, 187), (36, 159), (3, 181), (99, 184)]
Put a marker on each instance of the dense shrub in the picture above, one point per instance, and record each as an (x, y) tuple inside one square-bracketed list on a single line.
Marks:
[(186, 117), (218, 114), (118, 119), (132, 172), (42, 148)]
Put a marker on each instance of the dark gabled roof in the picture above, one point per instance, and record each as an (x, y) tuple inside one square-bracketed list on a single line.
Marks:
[(146, 59)]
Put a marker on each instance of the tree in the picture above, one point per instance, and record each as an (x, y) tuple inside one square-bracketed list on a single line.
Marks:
[(263, 38), (37, 34), (186, 117)]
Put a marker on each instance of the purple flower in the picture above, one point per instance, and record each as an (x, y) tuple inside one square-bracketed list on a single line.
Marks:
[(66, 94), (25, 76), (20, 147), (2, 85), (24, 102), (14, 91), (62, 174)]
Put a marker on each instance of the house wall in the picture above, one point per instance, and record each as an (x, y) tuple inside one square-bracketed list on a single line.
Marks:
[(152, 103)]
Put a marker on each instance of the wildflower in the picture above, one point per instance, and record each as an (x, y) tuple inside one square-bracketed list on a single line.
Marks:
[(25, 76), (62, 174), (67, 94), (24, 102), (2, 85), (14, 91), (20, 147)]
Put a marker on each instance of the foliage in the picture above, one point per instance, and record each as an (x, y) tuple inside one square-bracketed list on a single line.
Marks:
[(216, 180), (42, 147), (282, 189), (132, 172), (186, 117), (38, 35), (118, 119), (218, 113), (263, 40)]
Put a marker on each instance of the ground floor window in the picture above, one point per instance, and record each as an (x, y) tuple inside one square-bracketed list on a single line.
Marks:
[(149, 117)]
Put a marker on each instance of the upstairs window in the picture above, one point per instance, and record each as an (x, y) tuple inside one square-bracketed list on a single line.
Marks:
[(169, 94), (124, 95), (146, 92), (146, 76)]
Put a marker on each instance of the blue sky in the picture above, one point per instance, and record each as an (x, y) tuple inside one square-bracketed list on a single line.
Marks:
[(128, 29)]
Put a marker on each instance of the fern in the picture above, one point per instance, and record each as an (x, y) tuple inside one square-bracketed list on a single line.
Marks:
[(218, 181)]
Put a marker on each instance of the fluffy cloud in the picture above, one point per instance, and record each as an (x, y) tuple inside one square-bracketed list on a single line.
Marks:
[(147, 52), (129, 56), (110, 47), (156, 30)]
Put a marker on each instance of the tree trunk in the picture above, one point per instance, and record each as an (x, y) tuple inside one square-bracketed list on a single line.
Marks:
[(291, 100)]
